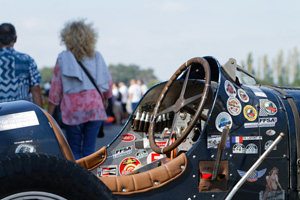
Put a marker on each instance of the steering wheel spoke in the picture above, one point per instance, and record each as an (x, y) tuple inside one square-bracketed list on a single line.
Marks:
[(180, 103)]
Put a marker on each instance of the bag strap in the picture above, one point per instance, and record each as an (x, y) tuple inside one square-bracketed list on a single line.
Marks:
[(92, 80)]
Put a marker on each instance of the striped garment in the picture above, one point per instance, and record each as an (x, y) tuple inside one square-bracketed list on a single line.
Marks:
[(18, 73)]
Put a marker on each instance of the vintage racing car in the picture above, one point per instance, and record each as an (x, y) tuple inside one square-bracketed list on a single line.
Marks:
[(208, 133)]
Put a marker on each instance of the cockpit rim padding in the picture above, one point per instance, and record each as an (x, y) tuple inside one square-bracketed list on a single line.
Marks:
[(148, 180), (63, 144), (94, 160)]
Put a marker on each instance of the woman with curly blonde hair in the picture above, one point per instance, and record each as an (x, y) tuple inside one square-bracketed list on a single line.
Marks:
[(82, 108)]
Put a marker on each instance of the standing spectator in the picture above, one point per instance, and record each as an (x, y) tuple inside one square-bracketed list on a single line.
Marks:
[(144, 87), (19, 74), (124, 91), (117, 107), (82, 108), (135, 93)]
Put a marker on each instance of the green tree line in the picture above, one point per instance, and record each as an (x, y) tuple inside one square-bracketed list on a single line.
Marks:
[(118, 72), (283, 70)]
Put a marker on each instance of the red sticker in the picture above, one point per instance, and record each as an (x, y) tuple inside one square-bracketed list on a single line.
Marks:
[(127, 137), (161, 143), (128, 165)]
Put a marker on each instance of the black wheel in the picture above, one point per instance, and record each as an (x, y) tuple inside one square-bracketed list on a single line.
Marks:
[(42, 176)]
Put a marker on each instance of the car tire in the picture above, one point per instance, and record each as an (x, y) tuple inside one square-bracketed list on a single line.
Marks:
[(42, 176)]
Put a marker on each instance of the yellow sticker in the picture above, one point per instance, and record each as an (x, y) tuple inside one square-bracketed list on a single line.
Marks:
[(250, 113)]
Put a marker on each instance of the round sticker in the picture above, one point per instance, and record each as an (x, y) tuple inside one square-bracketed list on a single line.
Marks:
[(222, 120), (268, 144), (250, 113), (270, 132), (234, 106), (269, 107), (128, 165), (230, 89), (243, 95)]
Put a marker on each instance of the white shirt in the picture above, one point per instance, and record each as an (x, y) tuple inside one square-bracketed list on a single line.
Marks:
[(136, 92), (124, 91), (115, 93)]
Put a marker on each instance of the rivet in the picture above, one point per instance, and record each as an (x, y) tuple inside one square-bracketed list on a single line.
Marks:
[(194, 176), (212, 156), (189, 199), (194, 156), (155, 183), (213, 196), (284, 155), (124, 190), (182, 167), (194, 196), (102, 156), (230, 174), (230, 155)]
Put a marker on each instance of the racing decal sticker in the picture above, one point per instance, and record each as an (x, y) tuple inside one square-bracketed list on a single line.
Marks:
[(127, 137), (240, 139), (25, 148), (273, 189), (237, 139), (267, 122), (128, 165), (263, 122), (238, 148), (268, 144), (250, 113), (161, 143), (222, 120), (213, 142), (121, 152), (234, 106), (18, 120), (257, 91), (267, 107), (153, 157), (107, 170), (254, 176), (252, 138), (243, 95), (142, 153), (251, 149), (270, 132), (230, 89)]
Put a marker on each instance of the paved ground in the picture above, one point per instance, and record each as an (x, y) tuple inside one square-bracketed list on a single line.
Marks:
[(109, 133)]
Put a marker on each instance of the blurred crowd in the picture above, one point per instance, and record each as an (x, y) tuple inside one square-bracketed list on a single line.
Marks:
[(125, 98)]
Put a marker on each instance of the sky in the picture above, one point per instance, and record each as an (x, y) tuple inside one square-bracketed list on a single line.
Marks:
[(159, 34)]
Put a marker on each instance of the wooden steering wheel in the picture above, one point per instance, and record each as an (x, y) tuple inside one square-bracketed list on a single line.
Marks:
[(180, 103)]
